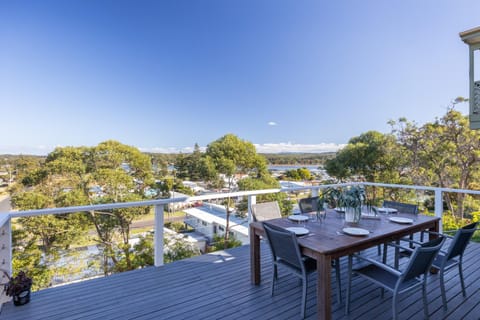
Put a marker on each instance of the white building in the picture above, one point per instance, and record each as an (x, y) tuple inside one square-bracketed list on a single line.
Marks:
[(210, 220)]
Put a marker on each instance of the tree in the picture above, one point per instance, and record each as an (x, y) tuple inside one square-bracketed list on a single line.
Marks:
[(372, 156), (110, 172), (299, 174), (122, 172), (176, 248), (265, 181), (190, 166), (54, 232), (229, 158), (444, 153)]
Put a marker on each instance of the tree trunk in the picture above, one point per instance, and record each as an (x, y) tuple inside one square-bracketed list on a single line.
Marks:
[(227, 224)]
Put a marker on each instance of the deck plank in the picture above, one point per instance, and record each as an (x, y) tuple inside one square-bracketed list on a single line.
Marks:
[(218, 286)]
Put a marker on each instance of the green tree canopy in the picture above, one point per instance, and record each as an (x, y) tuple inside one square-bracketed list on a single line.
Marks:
[(71, 176), (230, 157), (372, 156), (443, 153)]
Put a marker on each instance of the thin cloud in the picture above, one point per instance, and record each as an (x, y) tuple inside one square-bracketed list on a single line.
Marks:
[(272, 123), (282, 147), (171, 149), (294, 147)]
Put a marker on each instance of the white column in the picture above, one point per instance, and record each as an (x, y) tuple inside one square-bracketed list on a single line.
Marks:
[(5, 256), (439, 206), (158, 235), (251, 200)]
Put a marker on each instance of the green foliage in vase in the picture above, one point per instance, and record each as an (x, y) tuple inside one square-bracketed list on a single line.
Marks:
[(343, 197)]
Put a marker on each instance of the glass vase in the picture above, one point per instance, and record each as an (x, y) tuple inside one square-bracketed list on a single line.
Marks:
[(352, 215)]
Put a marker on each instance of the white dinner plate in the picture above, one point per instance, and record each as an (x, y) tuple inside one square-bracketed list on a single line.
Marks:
[(298, 218), (401, 220), (299, 231), (356, 231), (387, 210)]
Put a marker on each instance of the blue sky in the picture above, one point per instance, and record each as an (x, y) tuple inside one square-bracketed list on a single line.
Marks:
[(284, 75)]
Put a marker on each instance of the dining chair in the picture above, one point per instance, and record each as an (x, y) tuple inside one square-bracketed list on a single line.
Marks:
[(308, 204), (453, 256), (414, 275), (446, 260), (401, 207), (405, 208), (266, 211), (286, 253), (311, 204)]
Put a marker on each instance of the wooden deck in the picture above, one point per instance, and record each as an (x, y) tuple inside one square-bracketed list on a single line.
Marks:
[(217, 286)]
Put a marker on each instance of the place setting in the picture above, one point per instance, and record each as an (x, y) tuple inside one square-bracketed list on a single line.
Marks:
[(299, 231), (354, 231), (401, 220), (300, 219), (385, 210)]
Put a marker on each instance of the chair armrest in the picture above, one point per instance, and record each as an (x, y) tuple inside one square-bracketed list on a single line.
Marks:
[(399, 246), (441, 234), (379, 264), (411, 241)]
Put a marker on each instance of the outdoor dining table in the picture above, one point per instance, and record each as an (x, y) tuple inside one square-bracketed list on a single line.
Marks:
[(326, 241)]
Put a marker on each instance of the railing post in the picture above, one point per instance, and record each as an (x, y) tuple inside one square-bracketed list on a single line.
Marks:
[(5, 256), (251, 200), (439, 206), (158, 235)]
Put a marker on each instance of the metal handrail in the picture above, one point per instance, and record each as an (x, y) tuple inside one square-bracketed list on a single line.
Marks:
[(251, 194)]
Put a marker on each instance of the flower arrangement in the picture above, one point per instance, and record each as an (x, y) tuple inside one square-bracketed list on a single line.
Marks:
[(349, 198)]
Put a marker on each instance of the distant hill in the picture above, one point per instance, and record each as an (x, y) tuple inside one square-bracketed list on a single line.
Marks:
[(294, 158), (286, 158)]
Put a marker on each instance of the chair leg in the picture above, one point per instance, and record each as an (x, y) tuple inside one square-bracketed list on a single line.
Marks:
[(379, 250), (464, 293), (394, 305), (411, 239), (425, 301), (304, 296), (274, 278), (442, 289), (385, 246), (339, 284), (397, 255), (349, 284)]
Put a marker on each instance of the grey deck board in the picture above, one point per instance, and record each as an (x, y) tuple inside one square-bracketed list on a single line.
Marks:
[(217, 286)]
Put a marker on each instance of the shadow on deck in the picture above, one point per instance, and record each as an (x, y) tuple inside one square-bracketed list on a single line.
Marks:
[(218, 286)]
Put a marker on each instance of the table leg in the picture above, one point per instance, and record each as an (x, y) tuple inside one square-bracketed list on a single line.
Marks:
[(435, 229), (254, 257), (431, 236), (324, 301)]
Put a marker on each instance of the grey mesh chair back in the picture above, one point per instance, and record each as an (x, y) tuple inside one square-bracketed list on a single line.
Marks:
[(284, 246), (266, 211), (422, 259), (454, 257), (395, 281), (311, 204), (401, 207), (460, 241), (308, 204), (286, 252)]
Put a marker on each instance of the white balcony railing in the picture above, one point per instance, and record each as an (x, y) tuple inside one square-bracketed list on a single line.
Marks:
[(159, 205)]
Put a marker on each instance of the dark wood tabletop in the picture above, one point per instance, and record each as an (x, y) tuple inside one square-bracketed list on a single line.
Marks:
[(326, 241)]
